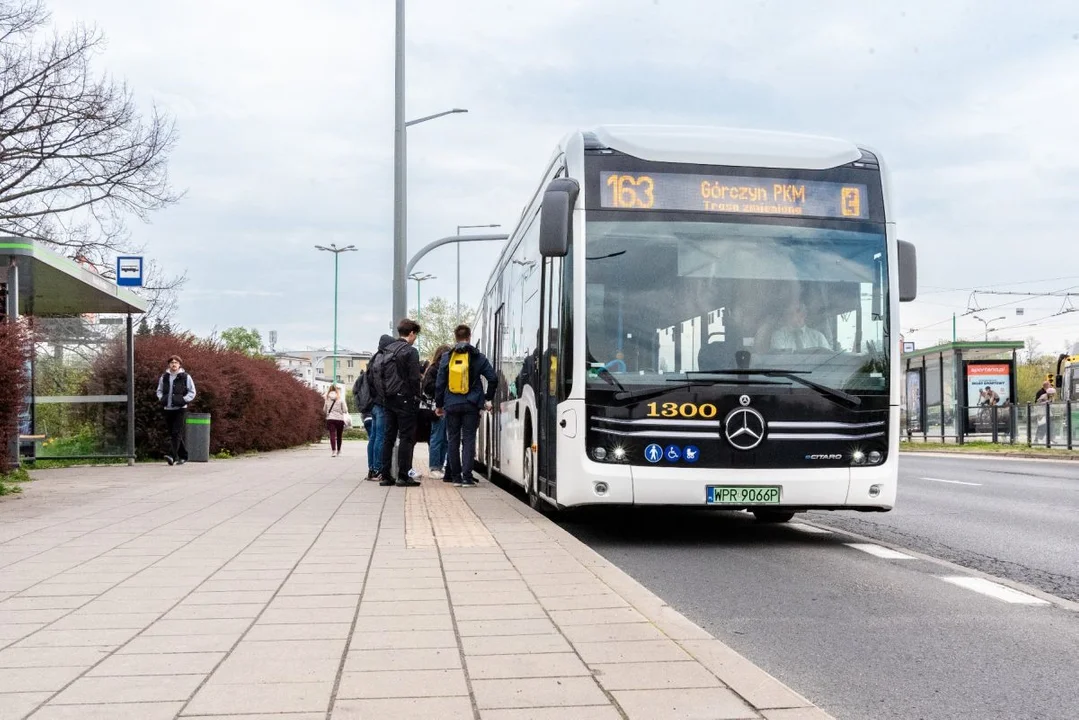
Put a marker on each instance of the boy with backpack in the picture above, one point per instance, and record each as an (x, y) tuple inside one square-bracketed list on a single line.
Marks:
[(373, 421), (459, 396), (394, 374)]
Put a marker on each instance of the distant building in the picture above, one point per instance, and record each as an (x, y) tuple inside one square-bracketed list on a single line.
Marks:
[(315, 367)]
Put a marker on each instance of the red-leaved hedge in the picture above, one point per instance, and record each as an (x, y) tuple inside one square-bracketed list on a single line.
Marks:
[(14, 384), (254, 405)]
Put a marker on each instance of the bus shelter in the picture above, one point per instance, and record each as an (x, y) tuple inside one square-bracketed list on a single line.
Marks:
[(75, 314), (959, 389)]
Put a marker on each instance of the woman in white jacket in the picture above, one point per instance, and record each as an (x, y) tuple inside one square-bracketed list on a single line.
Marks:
[(337, 417)]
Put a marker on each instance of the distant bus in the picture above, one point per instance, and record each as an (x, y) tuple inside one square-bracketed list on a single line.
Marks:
[(700, 317)]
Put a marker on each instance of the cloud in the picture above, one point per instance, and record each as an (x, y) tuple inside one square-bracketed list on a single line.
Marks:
[(286, 120)]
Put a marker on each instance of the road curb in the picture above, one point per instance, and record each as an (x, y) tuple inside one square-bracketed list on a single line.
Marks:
[(991, 456)]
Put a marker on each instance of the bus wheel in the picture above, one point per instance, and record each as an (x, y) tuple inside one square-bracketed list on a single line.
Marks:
[(529, 467), (772, 516)]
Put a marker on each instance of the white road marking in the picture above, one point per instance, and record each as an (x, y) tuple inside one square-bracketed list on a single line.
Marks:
[(800, 527), (953, 482), (880, 551), (994, 590)]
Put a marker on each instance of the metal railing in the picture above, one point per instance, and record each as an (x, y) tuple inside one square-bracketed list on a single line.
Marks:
[(1050, 425)]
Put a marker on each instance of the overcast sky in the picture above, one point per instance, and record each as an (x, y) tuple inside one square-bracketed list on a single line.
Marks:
[(285, 113)]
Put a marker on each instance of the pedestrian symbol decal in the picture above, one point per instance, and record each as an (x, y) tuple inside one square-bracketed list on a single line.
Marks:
[(674, 453), (653, 453), (691, 454)]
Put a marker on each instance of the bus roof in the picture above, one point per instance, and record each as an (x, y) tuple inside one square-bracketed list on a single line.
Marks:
[(728, 146)]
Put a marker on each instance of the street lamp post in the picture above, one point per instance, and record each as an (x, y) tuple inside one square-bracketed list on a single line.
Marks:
[(400, 245), (336, 256), (419, 278), (986, 323), (457, 310)]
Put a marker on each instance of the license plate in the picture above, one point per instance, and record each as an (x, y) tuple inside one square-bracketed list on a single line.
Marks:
[(743, 495)]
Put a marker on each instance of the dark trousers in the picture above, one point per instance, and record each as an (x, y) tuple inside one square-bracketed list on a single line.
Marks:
[(400, 416), (176, 422), (336, 428), (461, 434)]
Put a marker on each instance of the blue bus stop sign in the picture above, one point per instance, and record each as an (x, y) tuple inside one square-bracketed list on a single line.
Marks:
[(129, 271)]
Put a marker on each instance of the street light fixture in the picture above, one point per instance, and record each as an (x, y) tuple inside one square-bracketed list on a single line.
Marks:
[(457, 311), (400, 249), (336, 256), (419, 278), (986, 323)]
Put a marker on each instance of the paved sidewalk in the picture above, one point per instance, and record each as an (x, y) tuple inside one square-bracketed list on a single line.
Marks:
[(283, 586)]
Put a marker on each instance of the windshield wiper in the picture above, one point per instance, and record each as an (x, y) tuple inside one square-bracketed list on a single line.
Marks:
[(609, 377), (795, 375)]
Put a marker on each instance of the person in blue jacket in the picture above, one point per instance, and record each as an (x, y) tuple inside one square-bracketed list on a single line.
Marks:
[(462, 410)]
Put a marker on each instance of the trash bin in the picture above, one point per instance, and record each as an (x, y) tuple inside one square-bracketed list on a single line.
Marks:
[(197, 437)]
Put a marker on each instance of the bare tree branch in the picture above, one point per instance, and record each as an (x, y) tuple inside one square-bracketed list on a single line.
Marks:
[(77, 157)]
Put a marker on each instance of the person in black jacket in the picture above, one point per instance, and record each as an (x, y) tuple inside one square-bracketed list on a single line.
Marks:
[(374, 415), (395, 378), (462, 411), (175, 389)]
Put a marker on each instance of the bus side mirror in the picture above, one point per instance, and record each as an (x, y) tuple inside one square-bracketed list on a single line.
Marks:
[(556, 217), (908, 272)]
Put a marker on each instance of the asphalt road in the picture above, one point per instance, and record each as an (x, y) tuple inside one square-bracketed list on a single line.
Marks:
[(870, 637)]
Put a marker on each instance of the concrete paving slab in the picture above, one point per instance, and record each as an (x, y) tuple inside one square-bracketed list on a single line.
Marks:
[(230, 592)]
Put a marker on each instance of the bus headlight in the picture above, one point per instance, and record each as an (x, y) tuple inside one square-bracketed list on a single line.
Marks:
[(875, 457), (857, 458), (599, 453), (619, 454)]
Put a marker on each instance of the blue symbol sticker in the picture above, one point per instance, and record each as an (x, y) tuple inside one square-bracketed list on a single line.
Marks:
[(653, 453), (673, 453), (691, 454)]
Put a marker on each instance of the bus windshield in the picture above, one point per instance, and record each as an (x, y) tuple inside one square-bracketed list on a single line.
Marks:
[(670, 297)]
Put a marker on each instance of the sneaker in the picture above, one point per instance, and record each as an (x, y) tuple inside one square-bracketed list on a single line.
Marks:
[(386, 483), (181, 461), (457, 482), (169, 460), (437, 474), (412, 474), (448, 479), (375, 477), (407, 483), (468, 483)]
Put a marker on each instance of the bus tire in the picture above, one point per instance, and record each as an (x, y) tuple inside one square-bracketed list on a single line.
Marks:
[(528, 465), (772, 516)]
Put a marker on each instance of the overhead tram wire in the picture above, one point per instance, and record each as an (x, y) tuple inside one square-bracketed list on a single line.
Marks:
[(937, 289), (1026, 296)]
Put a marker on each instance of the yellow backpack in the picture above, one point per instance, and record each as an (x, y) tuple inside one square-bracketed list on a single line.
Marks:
[(458, 376)]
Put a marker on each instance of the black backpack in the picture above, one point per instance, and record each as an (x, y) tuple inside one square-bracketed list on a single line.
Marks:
[(361, 391), (386, 374)]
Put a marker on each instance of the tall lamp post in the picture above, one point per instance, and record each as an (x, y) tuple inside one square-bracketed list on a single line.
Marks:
[(400, 249), (457, 310), (336, 256), (419, 278), (986, 323)]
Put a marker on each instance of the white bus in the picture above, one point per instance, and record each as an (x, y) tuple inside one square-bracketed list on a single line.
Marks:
[(699, 316)]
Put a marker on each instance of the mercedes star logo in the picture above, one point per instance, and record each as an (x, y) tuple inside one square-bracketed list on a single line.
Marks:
[(744, 428)]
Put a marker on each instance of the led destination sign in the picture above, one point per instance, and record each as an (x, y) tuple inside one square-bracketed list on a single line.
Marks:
[(724, 194)]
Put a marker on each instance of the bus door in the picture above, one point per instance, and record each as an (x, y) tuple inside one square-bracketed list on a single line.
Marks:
[(547, 395), (496, 406)]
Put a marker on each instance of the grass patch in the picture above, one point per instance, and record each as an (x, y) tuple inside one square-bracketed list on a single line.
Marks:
[(11, 483), (990, 449)]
